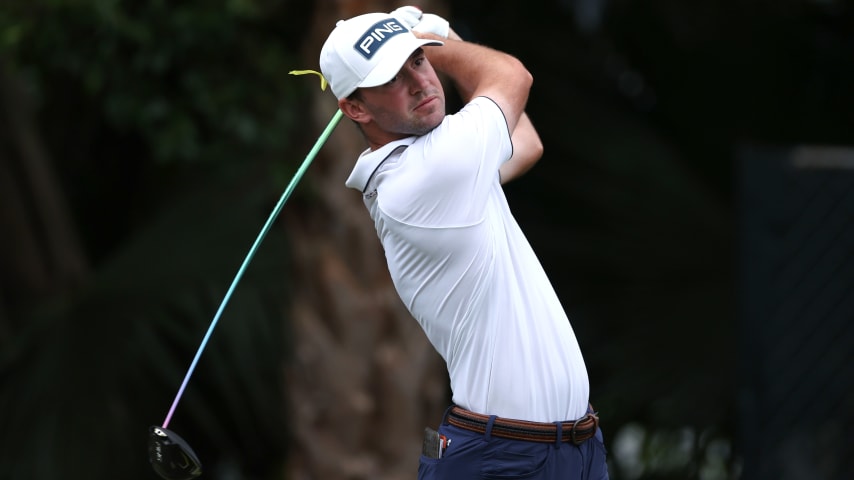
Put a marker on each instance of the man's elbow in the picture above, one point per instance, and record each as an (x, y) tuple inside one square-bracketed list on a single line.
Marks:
[(533, 149), (537, 151), (526, 79)]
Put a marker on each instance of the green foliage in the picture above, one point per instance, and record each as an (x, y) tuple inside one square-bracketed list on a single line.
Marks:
[(162, 119), (197, 80), (91, 373)]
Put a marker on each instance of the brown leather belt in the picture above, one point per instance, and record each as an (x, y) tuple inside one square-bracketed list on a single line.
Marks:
[(576, 432)]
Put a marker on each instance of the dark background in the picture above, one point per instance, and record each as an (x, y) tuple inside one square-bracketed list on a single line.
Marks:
[(693, 208)]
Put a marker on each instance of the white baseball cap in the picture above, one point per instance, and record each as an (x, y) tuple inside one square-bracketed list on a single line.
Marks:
[(366, 51)]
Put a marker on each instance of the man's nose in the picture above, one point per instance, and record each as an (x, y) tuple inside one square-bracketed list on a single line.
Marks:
[(417, 81)]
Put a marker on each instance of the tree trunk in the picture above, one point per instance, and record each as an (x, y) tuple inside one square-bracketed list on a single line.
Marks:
[(41, 253), (364, 381)]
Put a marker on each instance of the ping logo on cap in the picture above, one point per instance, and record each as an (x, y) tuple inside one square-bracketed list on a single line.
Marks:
[(376, 36)]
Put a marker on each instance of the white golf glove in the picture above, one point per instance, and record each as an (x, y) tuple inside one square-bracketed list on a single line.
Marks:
[(415, 19)]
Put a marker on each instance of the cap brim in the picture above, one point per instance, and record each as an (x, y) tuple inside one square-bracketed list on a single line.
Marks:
[(393, 61)]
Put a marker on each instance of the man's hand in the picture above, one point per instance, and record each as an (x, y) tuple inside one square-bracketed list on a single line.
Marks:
[(419, 21)]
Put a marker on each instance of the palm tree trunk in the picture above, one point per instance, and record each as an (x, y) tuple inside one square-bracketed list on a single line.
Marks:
[(364, 381), (41, 252)]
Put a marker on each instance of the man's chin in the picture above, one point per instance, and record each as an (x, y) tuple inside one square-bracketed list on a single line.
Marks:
[(427, 128)]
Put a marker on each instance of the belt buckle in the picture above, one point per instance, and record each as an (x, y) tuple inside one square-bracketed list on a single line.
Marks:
[(572, 431)]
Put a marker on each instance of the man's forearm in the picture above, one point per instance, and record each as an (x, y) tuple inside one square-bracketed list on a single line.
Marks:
[(477, 70), (471, 66)]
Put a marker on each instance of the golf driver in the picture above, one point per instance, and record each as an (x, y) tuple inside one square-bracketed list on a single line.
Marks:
[(171, 456)]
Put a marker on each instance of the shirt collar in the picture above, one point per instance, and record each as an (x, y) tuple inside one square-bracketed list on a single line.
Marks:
[(370, 160)]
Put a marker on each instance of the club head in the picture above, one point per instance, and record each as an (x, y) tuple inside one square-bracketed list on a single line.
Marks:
[(170, 456)]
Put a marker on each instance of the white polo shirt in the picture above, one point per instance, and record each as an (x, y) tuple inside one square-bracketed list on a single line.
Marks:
[(466, 272)]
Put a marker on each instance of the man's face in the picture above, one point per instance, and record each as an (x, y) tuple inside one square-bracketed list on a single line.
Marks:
[(412, 103)]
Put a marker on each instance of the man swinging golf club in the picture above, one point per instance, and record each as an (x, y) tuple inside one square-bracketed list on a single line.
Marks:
[(459, 261)]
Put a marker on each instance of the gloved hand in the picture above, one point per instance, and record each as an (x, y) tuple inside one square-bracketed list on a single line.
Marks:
[(418, 21)]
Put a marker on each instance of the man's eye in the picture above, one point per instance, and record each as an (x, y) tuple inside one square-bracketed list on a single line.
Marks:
[(393, 79)]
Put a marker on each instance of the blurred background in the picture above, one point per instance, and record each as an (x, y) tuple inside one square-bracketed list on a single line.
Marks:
[(694, 208)]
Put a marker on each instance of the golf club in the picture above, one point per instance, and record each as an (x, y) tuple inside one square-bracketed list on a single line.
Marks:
[(171, 456)]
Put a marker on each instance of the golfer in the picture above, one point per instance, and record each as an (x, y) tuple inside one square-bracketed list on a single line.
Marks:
[(459, 261)]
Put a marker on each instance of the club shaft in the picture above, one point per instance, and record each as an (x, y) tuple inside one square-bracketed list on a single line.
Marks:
[(266, 228)]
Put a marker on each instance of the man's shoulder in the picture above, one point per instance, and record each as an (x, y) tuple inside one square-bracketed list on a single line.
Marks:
[(485, 102), (480, 118)]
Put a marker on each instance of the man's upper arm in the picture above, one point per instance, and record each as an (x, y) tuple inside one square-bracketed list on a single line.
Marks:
[(509, 93)]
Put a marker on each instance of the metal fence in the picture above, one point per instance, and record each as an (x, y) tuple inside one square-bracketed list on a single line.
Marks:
[(796, 286)]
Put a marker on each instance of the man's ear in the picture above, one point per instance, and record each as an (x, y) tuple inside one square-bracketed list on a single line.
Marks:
[(354, 110)]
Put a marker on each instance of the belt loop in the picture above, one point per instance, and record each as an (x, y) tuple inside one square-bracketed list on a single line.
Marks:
[(489, 423), (559, 434)]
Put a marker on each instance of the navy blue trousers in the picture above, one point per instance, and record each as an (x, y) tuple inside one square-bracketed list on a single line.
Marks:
[(472, 455)]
